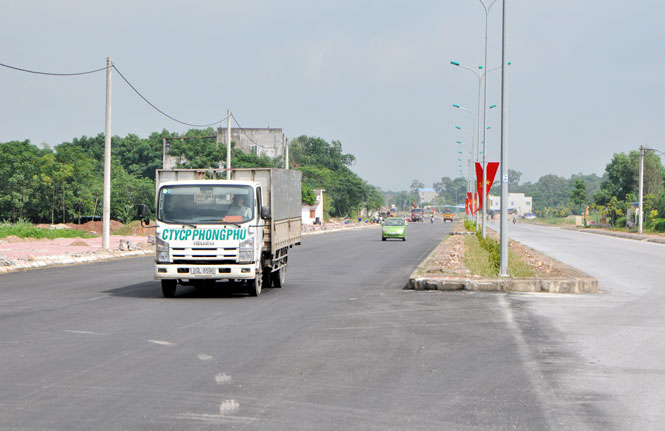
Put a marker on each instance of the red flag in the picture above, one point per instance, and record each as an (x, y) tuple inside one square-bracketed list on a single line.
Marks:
[(469, 203), (492, 167)]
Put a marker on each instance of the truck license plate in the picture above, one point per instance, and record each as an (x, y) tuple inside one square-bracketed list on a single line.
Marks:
[(203, 271)]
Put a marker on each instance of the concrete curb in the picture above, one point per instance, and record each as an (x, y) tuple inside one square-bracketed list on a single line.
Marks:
[(340, 229), (555, 285), (580, 282), (72, 259)]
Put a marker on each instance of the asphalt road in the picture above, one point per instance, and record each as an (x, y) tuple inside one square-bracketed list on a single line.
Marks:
[(605, 350), (342, 346)]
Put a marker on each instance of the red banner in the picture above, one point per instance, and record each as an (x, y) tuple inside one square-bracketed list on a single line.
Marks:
[(468, 207), (492, 167)]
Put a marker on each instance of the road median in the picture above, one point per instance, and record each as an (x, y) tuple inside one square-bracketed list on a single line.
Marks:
[(445, 269)]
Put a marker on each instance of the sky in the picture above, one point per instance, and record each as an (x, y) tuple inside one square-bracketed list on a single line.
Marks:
[(585, 80)]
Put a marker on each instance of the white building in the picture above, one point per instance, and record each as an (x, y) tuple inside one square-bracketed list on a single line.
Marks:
[(263, 142), (427, 194), (311, 212), (517, 201)]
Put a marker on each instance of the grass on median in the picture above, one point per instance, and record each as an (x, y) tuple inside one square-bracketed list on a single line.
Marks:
[(24, 229), (484, 261)]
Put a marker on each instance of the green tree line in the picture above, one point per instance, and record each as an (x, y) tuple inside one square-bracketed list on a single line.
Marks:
[(65, 183)]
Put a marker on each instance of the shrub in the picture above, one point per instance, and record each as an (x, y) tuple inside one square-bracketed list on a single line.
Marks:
[(659, 225), (469, 225), (493, 248), (621, 222)]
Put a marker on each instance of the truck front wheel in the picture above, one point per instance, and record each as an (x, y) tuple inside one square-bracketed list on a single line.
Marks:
[(168, 288), (255, 285)]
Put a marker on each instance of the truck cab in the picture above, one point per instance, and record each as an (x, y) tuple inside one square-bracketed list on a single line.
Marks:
[(417, 214)]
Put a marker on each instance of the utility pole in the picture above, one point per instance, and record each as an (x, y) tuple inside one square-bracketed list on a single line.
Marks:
[(106, 206), (228, 144), (286, 153), (503, 234), (641, 217)]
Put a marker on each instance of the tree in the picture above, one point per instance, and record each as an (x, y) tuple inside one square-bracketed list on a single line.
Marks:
[(513, 178), (19, 161), (415, 186), (579, 196)]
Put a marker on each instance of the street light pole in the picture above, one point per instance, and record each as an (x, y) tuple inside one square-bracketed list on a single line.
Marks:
[(503, 227), (473, 144), (476, 145), (484, 165), (641, 217)]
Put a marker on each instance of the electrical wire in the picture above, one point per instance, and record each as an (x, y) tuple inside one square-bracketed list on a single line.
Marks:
[(51, 73), (243, 131), (159, 110)]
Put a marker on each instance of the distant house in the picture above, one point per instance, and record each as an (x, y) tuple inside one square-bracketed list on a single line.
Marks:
[(312, 212), (427, 194), (262, 142), (517, 201)]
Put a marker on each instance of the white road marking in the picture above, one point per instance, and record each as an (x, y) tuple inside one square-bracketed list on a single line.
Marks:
[(204, 357), (160, 342), (228, 407), (222, 378), (71, 331)]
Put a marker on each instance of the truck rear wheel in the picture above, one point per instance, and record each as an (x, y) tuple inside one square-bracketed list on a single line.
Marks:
[(168, 288), (279, 277)]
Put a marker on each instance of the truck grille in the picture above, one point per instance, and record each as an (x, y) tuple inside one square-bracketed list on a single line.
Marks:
[(204, 253)]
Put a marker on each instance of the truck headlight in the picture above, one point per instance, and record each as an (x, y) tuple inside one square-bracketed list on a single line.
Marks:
[(162, 250), (246, 250)]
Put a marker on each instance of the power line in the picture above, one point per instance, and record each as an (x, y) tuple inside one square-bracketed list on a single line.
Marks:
[(159, 110), (51, 73)]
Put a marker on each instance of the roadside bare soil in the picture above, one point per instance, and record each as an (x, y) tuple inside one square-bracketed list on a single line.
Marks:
[(447, 260)]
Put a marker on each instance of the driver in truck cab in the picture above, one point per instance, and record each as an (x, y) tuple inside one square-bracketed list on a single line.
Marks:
[(238, 208)]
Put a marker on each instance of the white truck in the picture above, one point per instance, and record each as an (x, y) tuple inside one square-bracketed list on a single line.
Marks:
[(209, 229)]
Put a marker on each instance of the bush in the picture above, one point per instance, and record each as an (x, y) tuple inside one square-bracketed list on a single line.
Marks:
[(621, 222), (469, 225), (493, 248), (659, 225)]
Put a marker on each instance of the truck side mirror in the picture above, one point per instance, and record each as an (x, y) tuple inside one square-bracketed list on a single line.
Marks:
[(265, 213), (140, 208)]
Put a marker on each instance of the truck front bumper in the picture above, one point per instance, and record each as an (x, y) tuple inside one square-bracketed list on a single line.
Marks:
[(192, 271)]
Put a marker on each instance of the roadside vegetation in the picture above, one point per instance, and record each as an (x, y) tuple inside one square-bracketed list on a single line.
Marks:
[(482, 256), (64, 183), (25, 229)]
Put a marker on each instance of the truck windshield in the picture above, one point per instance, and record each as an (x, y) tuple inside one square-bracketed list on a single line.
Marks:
[(205, 204)]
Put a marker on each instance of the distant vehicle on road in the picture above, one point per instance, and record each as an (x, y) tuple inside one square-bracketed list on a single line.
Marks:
[(529, 216), (417, 214), (448, 215), (394, 227)]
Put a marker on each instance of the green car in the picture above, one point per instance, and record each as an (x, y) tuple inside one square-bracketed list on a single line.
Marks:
[(394, 227)]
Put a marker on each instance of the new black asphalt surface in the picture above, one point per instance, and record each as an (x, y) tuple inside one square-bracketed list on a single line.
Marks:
[(342, 346)]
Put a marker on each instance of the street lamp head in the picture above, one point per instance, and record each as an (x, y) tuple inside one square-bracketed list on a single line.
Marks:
[(458, 127), (492, 106), (454, 63), (459, 142), (455, 105), (480, 67)]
